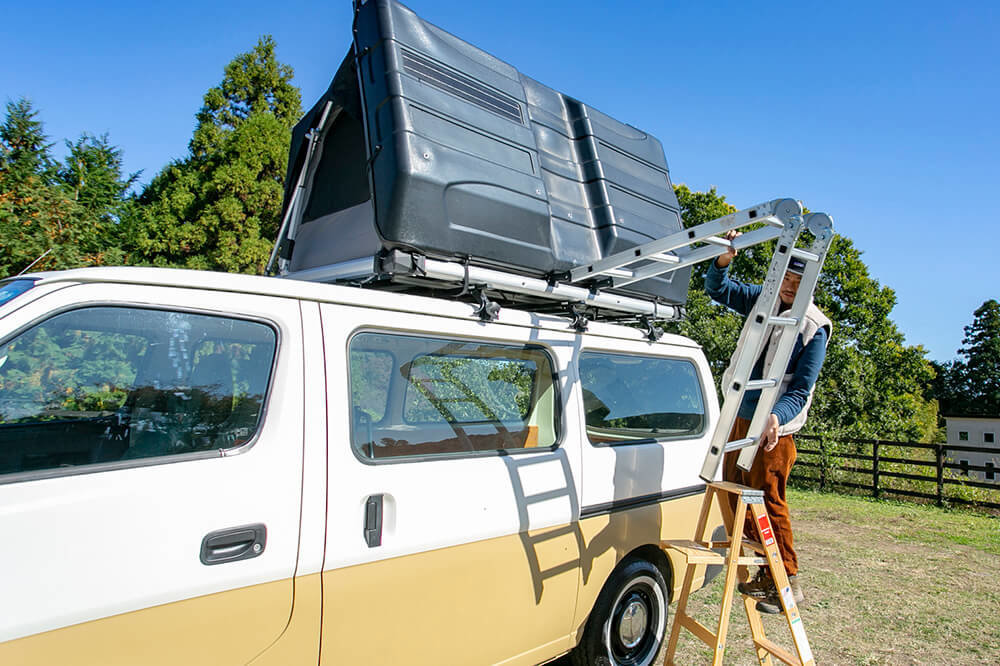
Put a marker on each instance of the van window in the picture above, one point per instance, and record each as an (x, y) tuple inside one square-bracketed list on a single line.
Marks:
[(416, 396), (106, 384), (13, 288), (631, 399)]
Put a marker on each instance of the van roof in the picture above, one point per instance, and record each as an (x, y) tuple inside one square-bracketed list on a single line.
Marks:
[(330, 293)]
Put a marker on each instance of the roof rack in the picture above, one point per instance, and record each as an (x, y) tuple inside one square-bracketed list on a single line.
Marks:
[(589, 291)]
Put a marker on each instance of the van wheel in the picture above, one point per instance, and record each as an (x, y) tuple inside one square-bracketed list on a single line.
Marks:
[(628, 621)]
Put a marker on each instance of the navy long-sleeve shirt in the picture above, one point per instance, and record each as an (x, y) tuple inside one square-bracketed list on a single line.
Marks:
[(806, 360)]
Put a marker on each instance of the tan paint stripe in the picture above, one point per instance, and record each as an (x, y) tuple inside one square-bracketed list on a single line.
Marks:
[(224, 628)]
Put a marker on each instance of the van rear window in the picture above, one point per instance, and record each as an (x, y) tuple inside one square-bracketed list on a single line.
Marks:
[(631, 399), (416, 396)]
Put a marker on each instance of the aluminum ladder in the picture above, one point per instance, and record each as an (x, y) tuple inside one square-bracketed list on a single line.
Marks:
[(783, 220)]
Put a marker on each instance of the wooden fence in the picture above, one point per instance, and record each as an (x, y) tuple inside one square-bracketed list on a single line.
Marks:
[(880, 467)]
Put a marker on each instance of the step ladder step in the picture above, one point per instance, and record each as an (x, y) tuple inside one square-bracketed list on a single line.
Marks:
[(694, 551), (743, 491), (698, 552)]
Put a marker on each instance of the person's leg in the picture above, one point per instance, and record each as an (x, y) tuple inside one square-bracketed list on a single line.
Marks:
[(770, 473)]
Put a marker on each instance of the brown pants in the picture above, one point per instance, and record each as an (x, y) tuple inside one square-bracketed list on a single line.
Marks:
[(769, 473)]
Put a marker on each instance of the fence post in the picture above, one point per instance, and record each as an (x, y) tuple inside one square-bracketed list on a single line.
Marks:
[(939, 453), (875, 469), (822, 464)]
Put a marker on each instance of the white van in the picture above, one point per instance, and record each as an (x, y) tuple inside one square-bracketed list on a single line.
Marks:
[(199, 468)]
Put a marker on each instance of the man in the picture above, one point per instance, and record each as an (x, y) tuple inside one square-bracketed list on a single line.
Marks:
[(776, 456)]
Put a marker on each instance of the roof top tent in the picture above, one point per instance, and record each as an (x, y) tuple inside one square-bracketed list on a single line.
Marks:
[(425, 143)]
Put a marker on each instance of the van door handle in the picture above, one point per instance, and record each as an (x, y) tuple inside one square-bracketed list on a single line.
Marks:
[(373, 521), (233, 544)]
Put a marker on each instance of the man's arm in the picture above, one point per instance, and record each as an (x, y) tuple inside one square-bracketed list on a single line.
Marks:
[(794, 398), (729, 292), (726, 291)]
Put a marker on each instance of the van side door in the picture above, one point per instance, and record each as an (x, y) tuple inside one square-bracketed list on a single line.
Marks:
[(453, 492)]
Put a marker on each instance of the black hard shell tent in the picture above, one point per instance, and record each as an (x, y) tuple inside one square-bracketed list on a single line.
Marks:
[(432, 145)]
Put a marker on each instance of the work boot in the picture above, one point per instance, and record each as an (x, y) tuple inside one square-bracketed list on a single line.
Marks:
[(772, 602), (759, 586)]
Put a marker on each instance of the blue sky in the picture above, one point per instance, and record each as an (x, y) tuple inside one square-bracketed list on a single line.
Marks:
[(883, 114)]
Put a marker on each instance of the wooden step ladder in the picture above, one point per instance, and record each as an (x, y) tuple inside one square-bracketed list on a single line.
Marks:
[(700, 551)]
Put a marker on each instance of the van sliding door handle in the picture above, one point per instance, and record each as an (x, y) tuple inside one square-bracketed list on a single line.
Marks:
[(373, 521), (233, 544)]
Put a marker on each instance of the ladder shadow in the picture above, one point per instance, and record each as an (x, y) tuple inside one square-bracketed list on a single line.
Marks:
[(532, 539)]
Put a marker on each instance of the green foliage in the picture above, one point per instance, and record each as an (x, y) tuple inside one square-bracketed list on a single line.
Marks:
[(872, 385), (92, 175), (219, 207), (970, 386), (24, 148), (69, 210)]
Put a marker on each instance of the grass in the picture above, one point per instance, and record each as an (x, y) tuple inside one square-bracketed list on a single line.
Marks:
[(885, 582)]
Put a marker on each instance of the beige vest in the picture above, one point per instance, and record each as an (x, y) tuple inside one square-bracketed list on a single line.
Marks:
[(812, 322)]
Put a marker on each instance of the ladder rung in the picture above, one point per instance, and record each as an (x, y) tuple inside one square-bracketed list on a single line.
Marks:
[(783, 321), (738, 444), (694, 552), (778, 651), (664, 258), (761, 384), (806, 255), (619, 272), (716, 240)]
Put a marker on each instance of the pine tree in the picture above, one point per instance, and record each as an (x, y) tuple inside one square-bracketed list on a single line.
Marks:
[(69, 211), (219, 207), (92, 175), (24, 148), (33, 212), (973, 388)]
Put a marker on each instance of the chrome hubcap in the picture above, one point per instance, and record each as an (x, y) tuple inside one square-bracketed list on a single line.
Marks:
[(632, 626)]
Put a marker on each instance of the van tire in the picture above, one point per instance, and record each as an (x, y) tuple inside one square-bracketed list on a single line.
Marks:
[(629, 619)]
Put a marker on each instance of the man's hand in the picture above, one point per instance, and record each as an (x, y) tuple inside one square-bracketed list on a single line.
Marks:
[(723, 259), (770, 435)]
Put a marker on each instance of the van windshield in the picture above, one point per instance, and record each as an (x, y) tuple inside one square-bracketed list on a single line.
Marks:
[(13, 288)]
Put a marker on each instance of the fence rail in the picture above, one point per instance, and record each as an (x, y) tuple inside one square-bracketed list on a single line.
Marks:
[(838, 463)]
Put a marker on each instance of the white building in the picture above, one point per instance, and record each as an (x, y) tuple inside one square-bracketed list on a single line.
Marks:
[(975, 432)]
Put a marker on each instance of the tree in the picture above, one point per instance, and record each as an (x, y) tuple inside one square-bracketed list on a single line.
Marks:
[(872, 385), (24, 149), (69, 211), (219, 207), (970, 386), (92, 176), (33, 214)]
